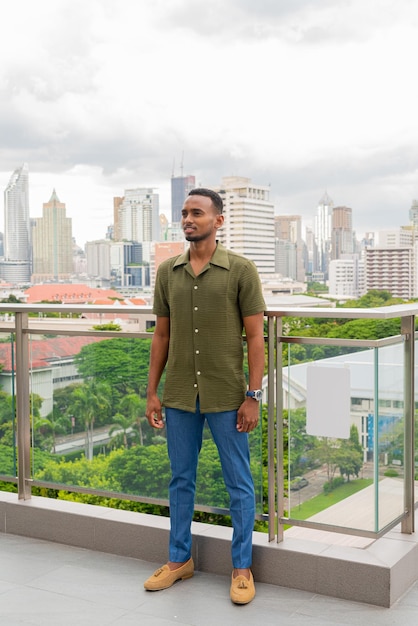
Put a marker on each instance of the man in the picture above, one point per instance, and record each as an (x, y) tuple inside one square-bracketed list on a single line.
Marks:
[(203, 299)]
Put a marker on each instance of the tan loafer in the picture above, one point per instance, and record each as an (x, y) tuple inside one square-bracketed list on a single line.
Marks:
[(242, 589), (164, 577)]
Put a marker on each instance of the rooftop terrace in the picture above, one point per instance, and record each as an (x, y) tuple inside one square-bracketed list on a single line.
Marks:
[(44, 583), (89, 560)]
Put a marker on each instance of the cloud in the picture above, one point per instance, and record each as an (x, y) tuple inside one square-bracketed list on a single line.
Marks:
[(301, 95)]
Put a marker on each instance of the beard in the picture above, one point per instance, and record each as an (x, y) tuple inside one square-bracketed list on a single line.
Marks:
[(198, 236)]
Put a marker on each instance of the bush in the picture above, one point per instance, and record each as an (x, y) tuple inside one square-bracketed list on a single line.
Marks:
[(391, 473), (109, 326), (333, 484)]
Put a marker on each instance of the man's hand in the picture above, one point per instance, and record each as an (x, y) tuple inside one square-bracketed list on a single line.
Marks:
[(153, 412), (248, 414)]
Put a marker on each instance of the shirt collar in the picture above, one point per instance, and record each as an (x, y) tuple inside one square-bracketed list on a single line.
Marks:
[(219, 257)]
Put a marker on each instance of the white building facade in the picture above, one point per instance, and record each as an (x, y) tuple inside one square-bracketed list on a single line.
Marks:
[(346, 277), (138, 215), (392, 269), (16, 265), (249, 221), (98, 259)]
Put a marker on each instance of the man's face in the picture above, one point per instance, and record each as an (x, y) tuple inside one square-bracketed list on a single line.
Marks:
[(199, 218)]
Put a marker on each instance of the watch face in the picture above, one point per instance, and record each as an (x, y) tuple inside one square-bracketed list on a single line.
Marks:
[(257, 394)]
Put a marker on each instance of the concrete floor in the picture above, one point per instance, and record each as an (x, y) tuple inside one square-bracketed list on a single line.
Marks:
[(44, 583)]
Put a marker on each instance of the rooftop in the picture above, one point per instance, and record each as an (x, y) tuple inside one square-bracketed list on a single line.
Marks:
[(44, 583)]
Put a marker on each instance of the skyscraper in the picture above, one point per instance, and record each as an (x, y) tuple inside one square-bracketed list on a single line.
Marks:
[(137, 216), (180, 187), (342, 238), (322, 233), (249, 221), (52, 243), (413, 213), (16, 266), (98, 258), (289, 243)]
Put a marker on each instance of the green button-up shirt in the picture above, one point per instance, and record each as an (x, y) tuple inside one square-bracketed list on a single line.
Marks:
[(206, 314)]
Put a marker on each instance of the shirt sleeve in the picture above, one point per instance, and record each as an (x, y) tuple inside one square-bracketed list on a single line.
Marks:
[(250, 292), (161, 307)]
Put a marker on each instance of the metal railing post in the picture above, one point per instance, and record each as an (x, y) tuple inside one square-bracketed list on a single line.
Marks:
[(279, 425), (408, 331), (271, 430), (22, 406)]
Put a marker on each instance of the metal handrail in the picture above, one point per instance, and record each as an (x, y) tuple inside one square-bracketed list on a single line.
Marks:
[(23, 325)]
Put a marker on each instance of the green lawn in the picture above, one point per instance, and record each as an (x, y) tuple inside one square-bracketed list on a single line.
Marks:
[(323, 501)]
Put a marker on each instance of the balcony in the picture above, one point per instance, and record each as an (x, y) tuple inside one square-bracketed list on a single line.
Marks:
[(50, 583), (362, 549)]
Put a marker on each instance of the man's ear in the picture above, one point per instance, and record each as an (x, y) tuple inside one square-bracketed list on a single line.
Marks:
[(219, 220)]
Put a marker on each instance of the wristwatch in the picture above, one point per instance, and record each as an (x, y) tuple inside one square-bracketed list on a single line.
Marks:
[(257, 394)]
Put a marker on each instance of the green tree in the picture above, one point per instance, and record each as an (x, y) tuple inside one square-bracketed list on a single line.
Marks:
[(134, 408), (373, 299), (142, 470), (121, 362), (121, 431), (81, 472), (349, 460), (12, 299), (89, 400), (7, 418), (326, 451), (54, 423)]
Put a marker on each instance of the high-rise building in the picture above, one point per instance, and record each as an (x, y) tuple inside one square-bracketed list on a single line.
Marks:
[(52, 242), (322, 233), (98, 259), (117, 202), (392, 269), (180, 187), (289, 243), (249, 221), (137, 216), (342, 236), (413, 213), (346, 276), (16, 266), (311, 253), (128, 266), (285, 259), (401, 237)]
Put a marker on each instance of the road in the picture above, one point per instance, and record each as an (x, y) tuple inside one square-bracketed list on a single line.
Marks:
[(317, 478)]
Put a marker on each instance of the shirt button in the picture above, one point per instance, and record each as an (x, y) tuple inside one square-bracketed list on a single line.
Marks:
[(195, 287), (195, 385), (197, 351), (198, 373), (196, 330), (196, 308)]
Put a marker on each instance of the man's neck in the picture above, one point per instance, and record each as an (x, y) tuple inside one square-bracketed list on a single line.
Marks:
[(201, 250)]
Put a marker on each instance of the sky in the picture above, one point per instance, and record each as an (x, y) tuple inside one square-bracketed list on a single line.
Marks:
[(306, 96)]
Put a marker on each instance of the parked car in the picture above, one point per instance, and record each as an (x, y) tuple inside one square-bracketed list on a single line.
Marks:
[(298, 483)]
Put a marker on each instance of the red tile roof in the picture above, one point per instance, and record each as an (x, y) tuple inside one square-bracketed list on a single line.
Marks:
[(43, 350), (69, 293)]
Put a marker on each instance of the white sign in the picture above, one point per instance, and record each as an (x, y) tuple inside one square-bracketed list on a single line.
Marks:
[(328, 401)]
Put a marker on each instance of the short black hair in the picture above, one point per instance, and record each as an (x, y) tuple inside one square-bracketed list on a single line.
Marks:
[(209, 193)]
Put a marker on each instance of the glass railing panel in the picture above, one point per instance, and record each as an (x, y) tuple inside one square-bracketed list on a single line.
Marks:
[(88, 398), (210, 488), (336, 465), (8, 452), (88, 415), (389, 446)]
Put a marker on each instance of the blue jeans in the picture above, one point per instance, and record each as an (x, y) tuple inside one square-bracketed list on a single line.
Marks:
[(184, 440)]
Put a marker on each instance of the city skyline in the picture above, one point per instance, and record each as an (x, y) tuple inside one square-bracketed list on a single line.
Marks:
[(303, 97), (79, 226)]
